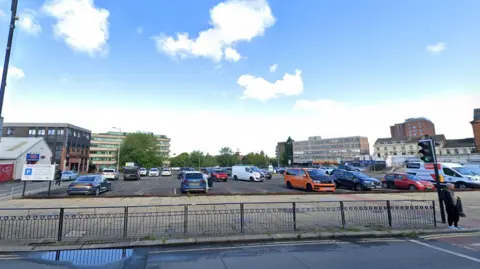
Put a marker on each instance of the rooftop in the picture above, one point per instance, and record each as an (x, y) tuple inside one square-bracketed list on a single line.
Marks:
[(416, 119), (44, 125), (12, 147), (460, 143), (408, 139)]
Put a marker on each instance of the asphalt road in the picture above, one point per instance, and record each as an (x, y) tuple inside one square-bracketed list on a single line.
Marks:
[(170, 186), (434, 251), (13, 189)]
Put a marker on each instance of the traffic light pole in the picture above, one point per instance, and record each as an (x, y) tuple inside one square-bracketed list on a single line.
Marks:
[(438, 183)]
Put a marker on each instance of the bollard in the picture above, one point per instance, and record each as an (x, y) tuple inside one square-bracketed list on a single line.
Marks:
[(175, 191)]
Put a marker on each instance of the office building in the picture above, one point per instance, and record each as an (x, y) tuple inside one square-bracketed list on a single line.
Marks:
[(316, 149), (279, 149), (104, 148), (414, 127), (69, 143), (476, 129)]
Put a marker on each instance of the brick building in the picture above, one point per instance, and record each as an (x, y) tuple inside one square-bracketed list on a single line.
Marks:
[(476, 128), (70, 144), (414, 127)]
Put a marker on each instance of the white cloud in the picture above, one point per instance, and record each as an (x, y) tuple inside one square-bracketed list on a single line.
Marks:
[(436, 48), (139, 30), (28, 22), (261, 89), (14, 72), (336, 119), (231, 22), (273, 68), (83, 26), (2, 13)]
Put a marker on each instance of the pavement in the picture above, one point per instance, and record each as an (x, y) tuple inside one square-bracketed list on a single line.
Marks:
[(440, 251)]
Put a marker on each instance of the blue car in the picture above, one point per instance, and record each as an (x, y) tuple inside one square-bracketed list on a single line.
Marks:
[(193, 181)]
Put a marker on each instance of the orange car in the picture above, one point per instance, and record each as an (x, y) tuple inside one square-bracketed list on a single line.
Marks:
[(309, 179)]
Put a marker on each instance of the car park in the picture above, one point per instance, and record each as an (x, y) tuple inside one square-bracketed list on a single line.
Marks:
[(406, 181), (69, 175), (131, 173), (166, 172), (154, 172), (91, 184), (143, 172), (356, 180), (309, 179), (218, 175), (193, 181), (110, 174)]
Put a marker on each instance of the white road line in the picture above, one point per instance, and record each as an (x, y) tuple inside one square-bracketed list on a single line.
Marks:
[(446, 251)]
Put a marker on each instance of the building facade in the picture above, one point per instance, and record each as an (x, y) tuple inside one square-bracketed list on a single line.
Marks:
[(476, 128), (70, 144), (407, 146), (104, 148), (414, 127), (330, 149), (279, 149)]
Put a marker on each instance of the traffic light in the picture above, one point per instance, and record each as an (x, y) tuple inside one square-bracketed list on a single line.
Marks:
[(426, 151)]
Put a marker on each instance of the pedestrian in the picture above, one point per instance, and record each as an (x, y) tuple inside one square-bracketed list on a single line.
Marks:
[(450, 202), (58, 176), (206, 177)]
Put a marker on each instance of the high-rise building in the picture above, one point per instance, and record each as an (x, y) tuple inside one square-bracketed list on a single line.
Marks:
[(414, 127), (104, 148), (476, 128), (69, 143)]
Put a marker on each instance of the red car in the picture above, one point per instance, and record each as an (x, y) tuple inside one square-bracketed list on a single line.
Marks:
[(219, 175), (407, 182)]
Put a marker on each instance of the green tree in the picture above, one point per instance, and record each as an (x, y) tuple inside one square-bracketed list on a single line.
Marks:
[(181, 160), (289, 150), (197, 159), (226, 157), (141, 148)]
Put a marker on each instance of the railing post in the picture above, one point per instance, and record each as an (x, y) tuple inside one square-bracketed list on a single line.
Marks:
[(342, 213), (60, 225), (125, 222), (389, 213), (434, 214), (185, 218), (242, 218), (294, 212)]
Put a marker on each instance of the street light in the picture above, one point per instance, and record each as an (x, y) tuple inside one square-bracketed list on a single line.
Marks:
[(119, 144)]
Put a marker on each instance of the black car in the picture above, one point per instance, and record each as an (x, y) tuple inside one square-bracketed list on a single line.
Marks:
[(131, 173), (356, 180), (268, 174)]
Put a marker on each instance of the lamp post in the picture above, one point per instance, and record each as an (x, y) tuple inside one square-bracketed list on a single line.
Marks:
[(118, 152)]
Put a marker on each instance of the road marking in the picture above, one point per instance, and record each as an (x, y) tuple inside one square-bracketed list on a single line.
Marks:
[(439, 236), (445, 250)]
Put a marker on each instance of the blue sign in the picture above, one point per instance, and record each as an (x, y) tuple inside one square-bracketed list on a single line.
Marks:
[(31, 157), (28, 171)]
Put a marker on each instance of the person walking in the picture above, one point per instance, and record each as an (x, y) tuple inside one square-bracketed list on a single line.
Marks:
[(58, 176), (450, 202)]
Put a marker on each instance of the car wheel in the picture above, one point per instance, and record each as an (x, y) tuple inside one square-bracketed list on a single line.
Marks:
[(461, 185), (97, 191), (289, 185), (358, 187), (412, 188), (235, 177), (309, 188), (252, 179)]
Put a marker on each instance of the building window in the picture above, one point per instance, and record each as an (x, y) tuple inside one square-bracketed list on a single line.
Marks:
[(60, 132), (10, 131), (51, 131), (41, 132), (32, 132), (456, 151), (74, 134)]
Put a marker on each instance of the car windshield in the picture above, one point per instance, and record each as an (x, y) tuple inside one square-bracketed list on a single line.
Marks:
[(315, 172), (360, 175), (85, 179), (154, 169), (412, 177), (166, 169), (130, 170), (255, 169), (109, 171), (465, 171), (143, 169), (194, 176), (218, 171)]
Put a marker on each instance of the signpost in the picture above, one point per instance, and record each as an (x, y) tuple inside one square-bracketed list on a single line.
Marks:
[(38, 172)]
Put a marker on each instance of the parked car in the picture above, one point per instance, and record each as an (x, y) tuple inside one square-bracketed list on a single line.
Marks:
[(91, 184), (280, 170), (110, 174), (406, 181), (193, 181), (356, 180), (266, 173), (347, 167), (154, 172), (131, 173), (166, 172), (69, 175), (143, 172), (219, 175), (309, 179)]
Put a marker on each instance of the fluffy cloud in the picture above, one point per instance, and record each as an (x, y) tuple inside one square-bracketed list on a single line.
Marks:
[(436, 48), (231, 22), (273, 68), (28, 23), (261, 89), (80, 24), (14, 72)]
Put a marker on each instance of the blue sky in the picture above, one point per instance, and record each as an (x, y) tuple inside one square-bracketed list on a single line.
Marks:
[(362, 66)]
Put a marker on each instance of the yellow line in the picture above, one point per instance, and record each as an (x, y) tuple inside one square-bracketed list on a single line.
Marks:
[(437, 236)]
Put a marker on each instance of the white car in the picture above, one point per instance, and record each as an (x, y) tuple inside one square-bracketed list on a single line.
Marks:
[(143, 172), (166, 172), (154, 172), (249, 173), (110, 174)]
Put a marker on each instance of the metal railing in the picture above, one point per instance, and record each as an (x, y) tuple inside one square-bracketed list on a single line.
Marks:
[(100, 224)]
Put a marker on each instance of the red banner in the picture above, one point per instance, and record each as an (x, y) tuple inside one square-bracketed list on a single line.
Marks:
[(6, 172)]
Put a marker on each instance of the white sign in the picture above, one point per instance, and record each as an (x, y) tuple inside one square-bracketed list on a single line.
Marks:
[(129, 164), (38, 172)]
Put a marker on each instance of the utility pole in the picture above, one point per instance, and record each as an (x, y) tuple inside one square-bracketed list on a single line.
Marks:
[(6, 63), (118, 151)]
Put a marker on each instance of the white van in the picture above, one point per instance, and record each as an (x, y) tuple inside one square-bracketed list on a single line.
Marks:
[(246, 172), (452, 173)]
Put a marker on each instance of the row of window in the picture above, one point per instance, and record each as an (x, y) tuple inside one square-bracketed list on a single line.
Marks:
[(103, 152), (58, 132), (102, 159)]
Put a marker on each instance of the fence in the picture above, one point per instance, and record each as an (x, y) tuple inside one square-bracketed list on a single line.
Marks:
[(99, 224)]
